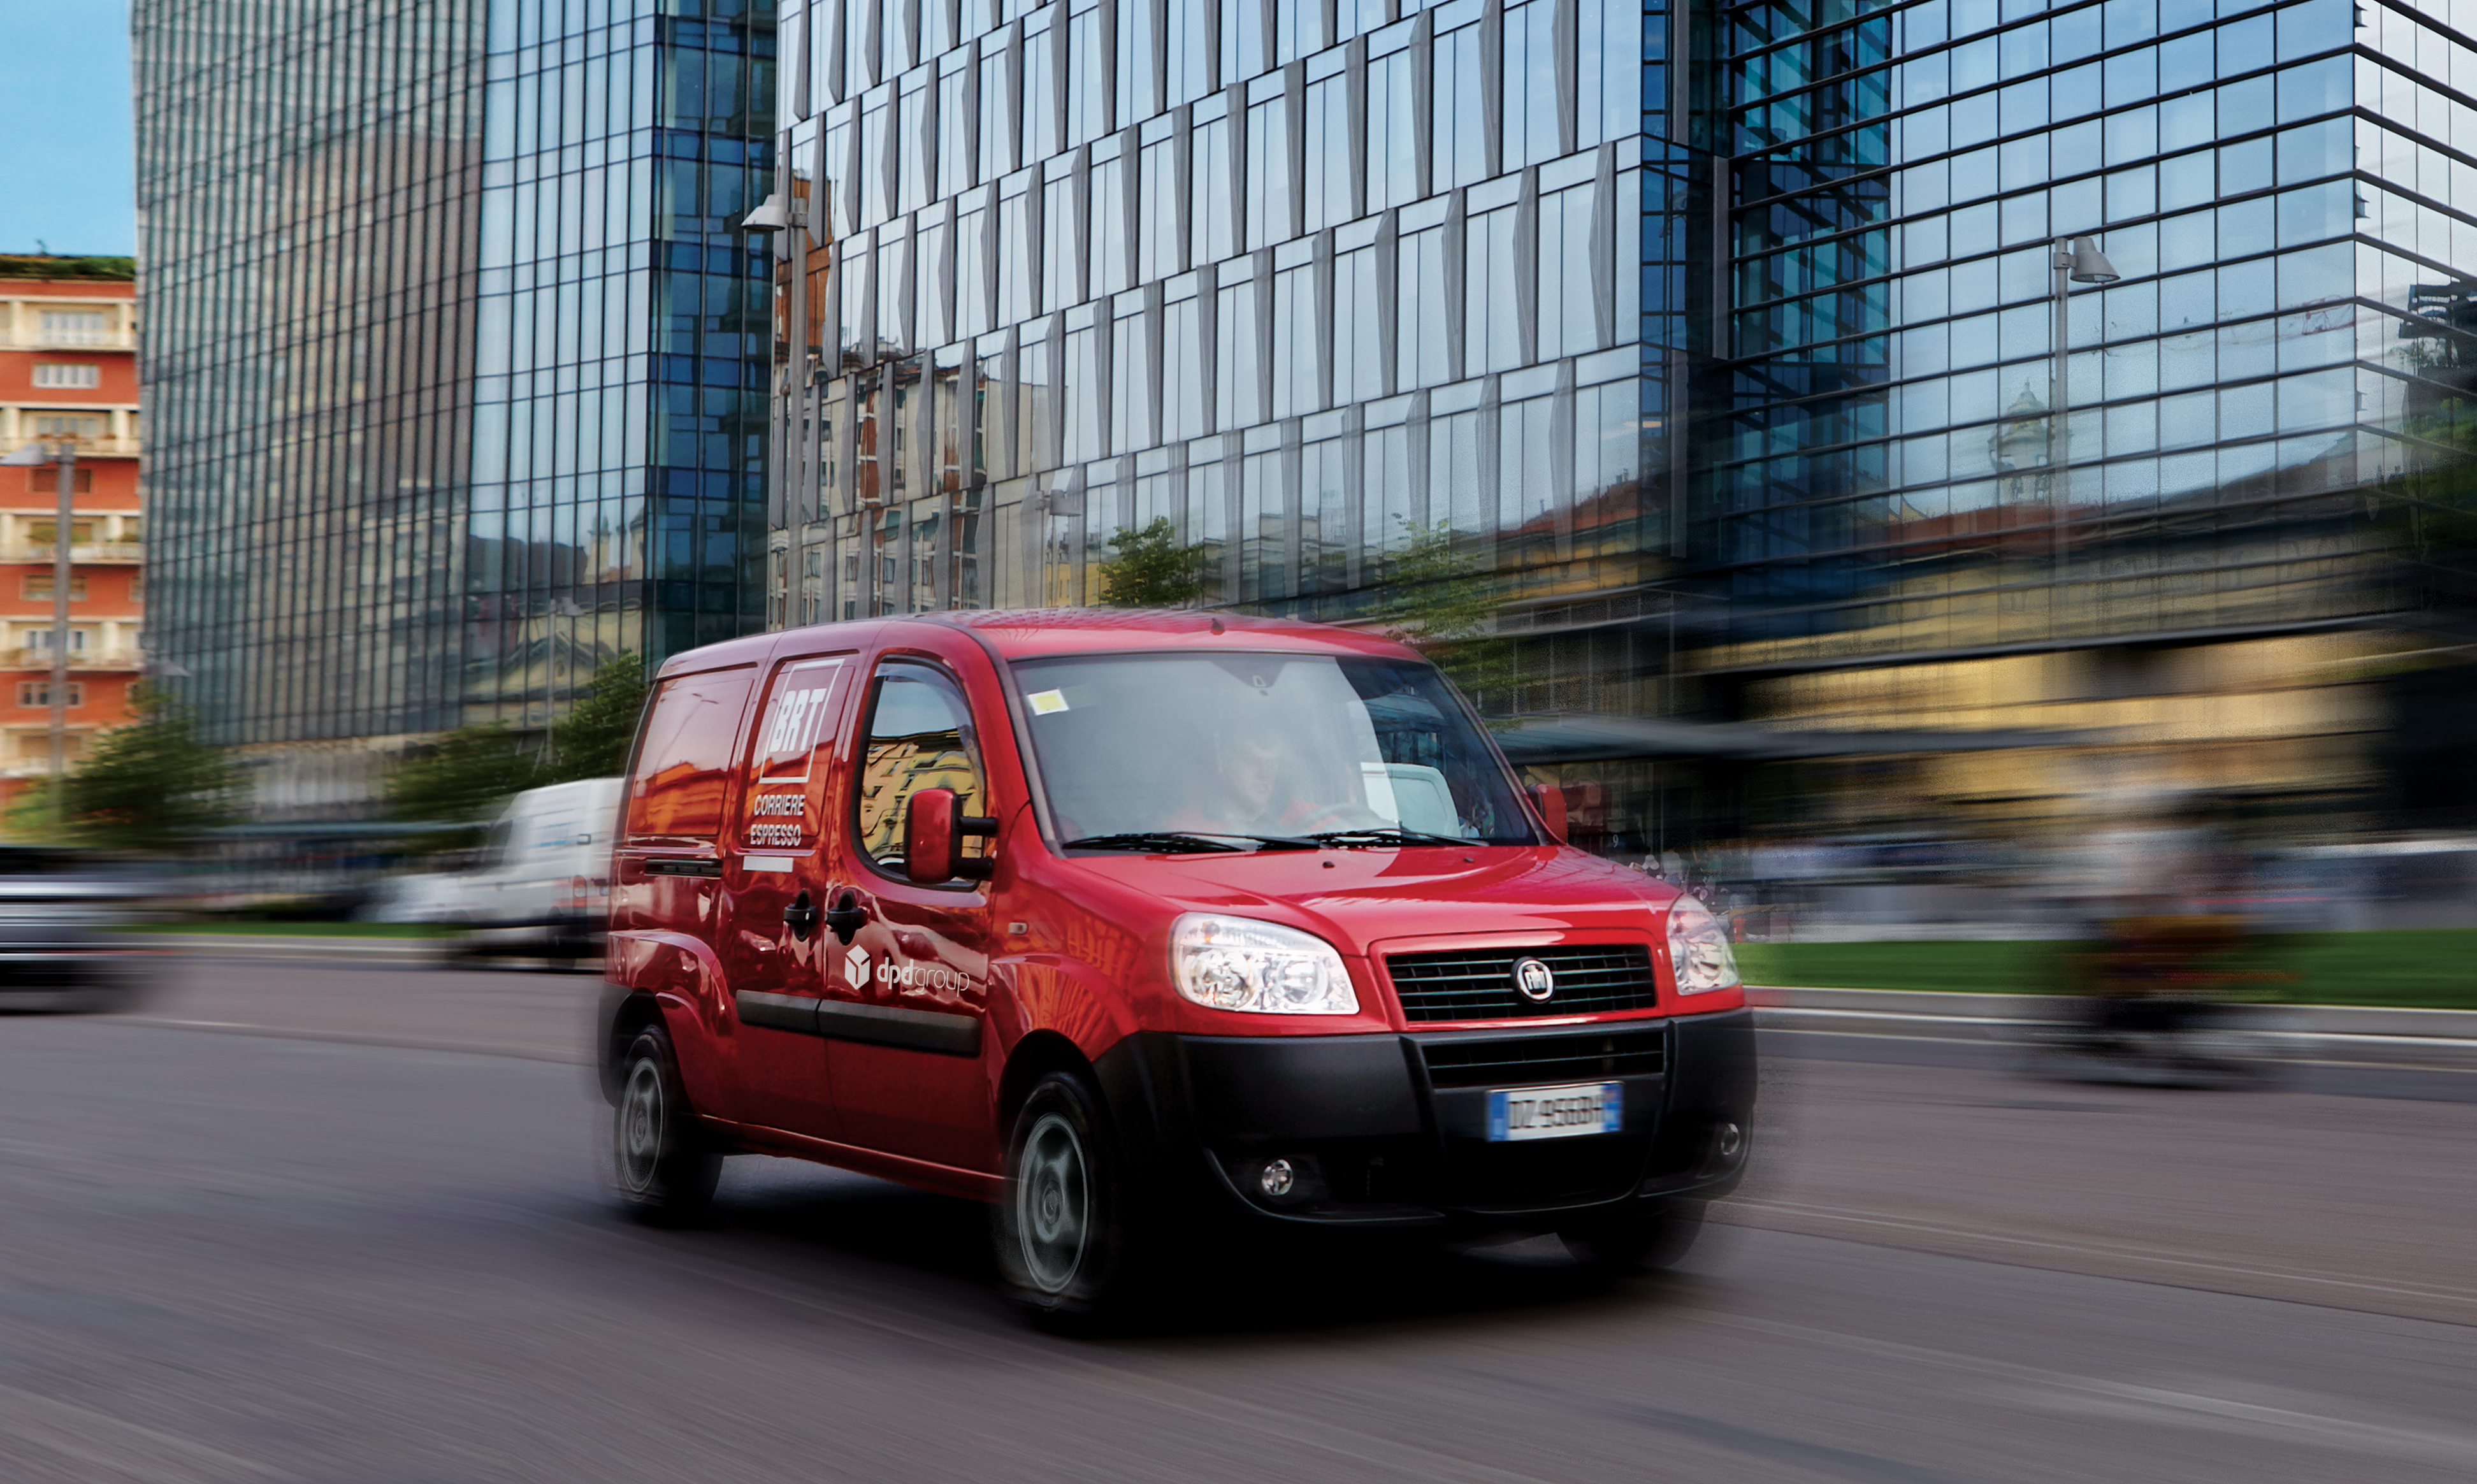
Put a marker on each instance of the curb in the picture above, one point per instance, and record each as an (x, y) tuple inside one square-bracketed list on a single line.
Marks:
[(2351, 1035)]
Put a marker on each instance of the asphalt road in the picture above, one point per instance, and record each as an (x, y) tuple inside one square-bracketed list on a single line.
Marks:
[(270, 1230)]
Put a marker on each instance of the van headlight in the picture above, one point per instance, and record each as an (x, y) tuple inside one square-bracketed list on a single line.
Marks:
[(1698, 948), (1240, 964)]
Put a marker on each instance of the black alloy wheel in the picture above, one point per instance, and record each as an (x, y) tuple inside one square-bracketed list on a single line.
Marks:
[(661, 1163)]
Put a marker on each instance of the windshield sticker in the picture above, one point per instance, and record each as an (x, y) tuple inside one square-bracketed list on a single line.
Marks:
[(1047, 702)]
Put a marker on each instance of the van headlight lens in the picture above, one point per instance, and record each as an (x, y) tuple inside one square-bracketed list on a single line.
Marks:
[(1240, 964), (1698, 948)]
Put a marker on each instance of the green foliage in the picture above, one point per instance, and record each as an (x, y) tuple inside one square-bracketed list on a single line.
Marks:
[(60, 267), (1438, 598), (1152, 569), (152, 786), (462, 779), (592, 741), (2420, 968)]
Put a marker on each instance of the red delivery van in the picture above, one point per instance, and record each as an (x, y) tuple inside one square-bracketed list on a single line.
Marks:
[(1130, 923)]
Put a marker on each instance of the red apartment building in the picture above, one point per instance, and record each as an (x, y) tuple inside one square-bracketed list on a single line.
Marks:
[(68, 366)]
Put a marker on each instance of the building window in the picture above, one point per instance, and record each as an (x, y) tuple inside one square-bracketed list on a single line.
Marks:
[(72, 375), (41, 532), (86, 425), (73, 326), (39, 640), (38, 692), (39, 587)]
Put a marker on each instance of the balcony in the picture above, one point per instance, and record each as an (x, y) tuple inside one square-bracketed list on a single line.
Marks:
[(87, 447), (30, 658), (35, 338), (81, 553)]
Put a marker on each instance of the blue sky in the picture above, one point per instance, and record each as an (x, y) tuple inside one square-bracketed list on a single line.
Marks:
[(64, 135)]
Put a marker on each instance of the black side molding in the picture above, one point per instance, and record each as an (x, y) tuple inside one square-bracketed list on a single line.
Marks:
[(778, 1012), (880, 1026), (888, 1025)]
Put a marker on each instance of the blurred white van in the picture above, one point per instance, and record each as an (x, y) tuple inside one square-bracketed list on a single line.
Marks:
[(540, 888)]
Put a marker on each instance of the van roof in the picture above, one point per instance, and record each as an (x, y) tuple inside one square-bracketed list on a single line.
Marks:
[(1033, 633)]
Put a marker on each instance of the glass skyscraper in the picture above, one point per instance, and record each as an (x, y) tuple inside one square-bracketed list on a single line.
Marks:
[(2171, 527), (456, 353), (1309, 280), (1723, 335)]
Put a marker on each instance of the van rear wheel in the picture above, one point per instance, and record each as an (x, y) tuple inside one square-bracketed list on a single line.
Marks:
[(661, 1163), (1066, 1245)]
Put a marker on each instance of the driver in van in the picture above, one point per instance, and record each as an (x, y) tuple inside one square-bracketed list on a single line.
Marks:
[(1263, 783)]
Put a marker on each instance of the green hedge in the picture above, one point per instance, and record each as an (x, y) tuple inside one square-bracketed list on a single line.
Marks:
[(2428, 968)]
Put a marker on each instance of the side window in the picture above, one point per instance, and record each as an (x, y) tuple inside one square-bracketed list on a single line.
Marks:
[(787, 754), (682, 774), (919, 736)]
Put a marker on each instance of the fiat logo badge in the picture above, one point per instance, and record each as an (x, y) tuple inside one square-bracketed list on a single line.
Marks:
[(1535, 980)]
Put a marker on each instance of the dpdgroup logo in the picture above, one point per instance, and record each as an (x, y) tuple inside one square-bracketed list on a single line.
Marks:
[(857, 972)]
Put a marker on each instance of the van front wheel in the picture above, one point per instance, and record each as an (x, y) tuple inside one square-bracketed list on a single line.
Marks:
[(1065, 1243)]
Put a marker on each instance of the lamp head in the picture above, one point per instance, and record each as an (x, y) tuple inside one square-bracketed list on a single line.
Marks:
[(2089, 265), (772, 214)]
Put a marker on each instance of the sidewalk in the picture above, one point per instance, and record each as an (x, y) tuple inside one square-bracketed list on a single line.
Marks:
[(2345, 1034)]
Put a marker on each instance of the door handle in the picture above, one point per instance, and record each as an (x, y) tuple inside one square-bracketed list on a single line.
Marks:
[(847, 917), (801, 917)]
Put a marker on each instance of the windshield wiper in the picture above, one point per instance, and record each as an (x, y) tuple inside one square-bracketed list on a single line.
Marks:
[(1185, 840), (1385, 834)]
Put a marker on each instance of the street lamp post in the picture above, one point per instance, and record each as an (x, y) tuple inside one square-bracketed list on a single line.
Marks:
[(2078, 260), (63, 461)]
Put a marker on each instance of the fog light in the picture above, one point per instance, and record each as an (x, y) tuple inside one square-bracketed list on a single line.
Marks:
[(1277, 1179), (1727, 1140)]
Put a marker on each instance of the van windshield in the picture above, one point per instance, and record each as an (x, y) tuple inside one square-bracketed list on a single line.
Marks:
[(1234, 751)]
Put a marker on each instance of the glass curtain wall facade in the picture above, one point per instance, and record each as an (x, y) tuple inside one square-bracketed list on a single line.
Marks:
[(458, 353), (1914, 472), (307, 181), (1309, 279)]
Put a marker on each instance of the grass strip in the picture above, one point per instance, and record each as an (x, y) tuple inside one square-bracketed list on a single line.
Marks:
[(2422, 968)]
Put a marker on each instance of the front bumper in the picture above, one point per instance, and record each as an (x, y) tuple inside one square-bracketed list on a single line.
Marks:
[(1390, 1129)]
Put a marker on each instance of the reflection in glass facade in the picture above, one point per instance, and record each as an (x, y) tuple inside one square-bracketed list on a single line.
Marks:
[(1305, 277), (1898, 516), (1308, 276), (457, 359)]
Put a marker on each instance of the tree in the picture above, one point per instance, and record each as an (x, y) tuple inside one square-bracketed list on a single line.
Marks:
[(152, 786), (462, 780), (1439, 600), (592, 741), (1153, 570)]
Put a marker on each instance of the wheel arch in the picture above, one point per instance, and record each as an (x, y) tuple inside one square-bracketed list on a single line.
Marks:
[(625, 1013), (1034, 1057)]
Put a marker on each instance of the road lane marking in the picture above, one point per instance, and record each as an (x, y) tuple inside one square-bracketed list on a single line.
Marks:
[(2426, 1444), (1727, 1210)]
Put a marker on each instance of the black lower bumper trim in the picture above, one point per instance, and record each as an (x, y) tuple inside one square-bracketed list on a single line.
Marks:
[(1371, 1142)]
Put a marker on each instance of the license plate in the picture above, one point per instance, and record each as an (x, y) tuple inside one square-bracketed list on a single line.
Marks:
[(1555, 1111)]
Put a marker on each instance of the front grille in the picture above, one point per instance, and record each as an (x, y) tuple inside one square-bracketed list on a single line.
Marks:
[(1538, 1059), (1479, 985)]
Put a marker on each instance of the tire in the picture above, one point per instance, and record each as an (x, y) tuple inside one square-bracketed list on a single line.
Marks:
[(663, 1167), (1068, 1248), (1649, 1235)]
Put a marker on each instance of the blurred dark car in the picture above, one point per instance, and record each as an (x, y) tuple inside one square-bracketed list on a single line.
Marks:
[(57, 949)]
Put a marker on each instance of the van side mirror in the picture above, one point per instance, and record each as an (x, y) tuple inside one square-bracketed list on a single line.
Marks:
[(935, 828), (1550, 800)]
